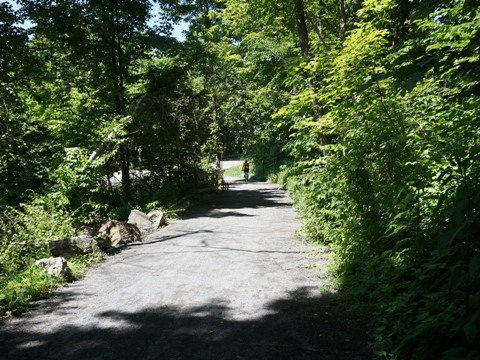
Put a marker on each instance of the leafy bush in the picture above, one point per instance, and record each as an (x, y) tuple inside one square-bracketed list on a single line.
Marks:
[(27, 231), (78, 264), (18, 290), (25, 234), (396, 193)]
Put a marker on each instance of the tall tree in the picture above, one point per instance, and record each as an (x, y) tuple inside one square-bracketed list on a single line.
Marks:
[(108, 37), (120, 28), (202, 41), (23, 154), (401, 94), (302, 27)]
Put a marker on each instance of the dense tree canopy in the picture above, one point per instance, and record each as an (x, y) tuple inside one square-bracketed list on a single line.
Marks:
[(366, 111)]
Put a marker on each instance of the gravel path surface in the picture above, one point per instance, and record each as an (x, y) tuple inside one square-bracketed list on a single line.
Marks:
[(226, 282)]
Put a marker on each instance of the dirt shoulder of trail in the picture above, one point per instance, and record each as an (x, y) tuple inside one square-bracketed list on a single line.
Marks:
[(228, 281)]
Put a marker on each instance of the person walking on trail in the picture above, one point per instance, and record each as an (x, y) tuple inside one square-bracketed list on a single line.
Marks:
[(246, 169)]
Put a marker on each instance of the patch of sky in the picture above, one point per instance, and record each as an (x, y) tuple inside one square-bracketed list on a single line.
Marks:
[(178, 29)]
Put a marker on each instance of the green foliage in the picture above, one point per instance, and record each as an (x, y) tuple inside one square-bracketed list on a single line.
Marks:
[(374, 130), (16, 292), (395, 190), (26, 232), (19, 289), (257, 172), (234, 171), (81, 101), (79, 264)]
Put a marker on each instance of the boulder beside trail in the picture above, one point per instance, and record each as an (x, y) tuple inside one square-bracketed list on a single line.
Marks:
[(114, 233), (53, 266), (147, 222), (90, 229), (140, 220), (95, 237), (77, 245), (157, 218)]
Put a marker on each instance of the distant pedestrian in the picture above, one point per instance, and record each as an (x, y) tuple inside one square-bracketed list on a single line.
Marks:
[(246, 169)]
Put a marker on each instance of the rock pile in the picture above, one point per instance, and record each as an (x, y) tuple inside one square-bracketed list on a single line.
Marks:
[(53, 266), (77, 245), (147, 222), (108, 235)]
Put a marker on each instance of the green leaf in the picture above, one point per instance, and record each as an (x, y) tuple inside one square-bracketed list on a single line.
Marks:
[(414, 78)]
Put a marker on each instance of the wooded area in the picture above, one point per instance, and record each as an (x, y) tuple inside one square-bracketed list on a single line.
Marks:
[(366, 111)]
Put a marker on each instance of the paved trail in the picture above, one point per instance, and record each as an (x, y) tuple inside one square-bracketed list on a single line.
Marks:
[(226, 282)]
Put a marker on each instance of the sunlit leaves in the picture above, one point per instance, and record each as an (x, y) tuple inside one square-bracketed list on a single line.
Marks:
[(398, 186), (13, 45), (376, 8)]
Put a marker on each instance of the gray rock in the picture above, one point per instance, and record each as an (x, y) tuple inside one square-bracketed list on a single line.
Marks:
[(53, 266), (140, 220), (114, 233), (78, 245), (157, 218), (90, 230)]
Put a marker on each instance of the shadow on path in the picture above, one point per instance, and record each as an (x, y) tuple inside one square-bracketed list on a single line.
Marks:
[(299, 326), (230, 202), (206, 320)]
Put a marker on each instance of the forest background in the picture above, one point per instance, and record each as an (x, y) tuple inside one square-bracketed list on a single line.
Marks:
[(366, 111)]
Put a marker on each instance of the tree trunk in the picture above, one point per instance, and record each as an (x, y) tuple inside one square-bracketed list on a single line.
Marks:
[(210, 65), (305, 47), (125, 168), (343, 21), (120, 109), (302, 27), (319, 32)]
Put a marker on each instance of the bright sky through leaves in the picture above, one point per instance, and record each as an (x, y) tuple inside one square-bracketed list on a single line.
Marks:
[(177, 32)]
